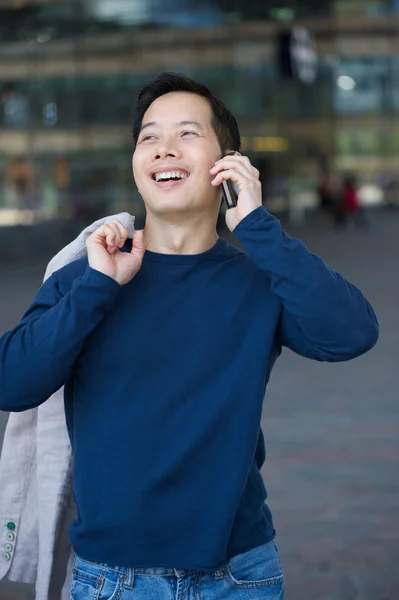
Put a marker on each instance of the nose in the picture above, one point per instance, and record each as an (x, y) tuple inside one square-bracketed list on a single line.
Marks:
[(167, 148)]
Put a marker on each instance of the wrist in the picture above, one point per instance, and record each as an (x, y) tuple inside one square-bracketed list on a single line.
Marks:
[(251, 218), (101, 278), (244, 216)]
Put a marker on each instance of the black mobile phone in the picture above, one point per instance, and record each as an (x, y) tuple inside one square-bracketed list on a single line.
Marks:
[(230, 189)]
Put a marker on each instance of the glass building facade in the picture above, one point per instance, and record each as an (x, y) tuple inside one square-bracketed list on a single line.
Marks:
[(70, 72)]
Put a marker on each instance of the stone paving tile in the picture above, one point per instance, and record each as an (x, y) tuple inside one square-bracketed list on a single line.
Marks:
[(331, 435)]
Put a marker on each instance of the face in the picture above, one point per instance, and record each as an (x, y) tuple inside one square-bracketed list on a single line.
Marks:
[(176, 148)]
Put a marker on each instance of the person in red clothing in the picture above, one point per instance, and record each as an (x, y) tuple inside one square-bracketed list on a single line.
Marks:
[(351, 198), (352, 206)]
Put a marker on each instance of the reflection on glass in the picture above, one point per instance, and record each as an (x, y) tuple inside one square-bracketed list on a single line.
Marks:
[(50, 114), (366, 85)]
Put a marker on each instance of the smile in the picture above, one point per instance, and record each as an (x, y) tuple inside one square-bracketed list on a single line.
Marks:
[(170, 176)]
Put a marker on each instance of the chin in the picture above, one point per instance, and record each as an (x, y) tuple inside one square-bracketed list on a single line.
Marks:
[(169, 206)]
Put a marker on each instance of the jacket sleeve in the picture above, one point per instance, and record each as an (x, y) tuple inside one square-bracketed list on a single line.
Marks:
[(37, 356), (323, 317)]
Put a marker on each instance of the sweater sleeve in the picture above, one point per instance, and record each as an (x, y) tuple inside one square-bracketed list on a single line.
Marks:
[(323, 317), (37, 356)]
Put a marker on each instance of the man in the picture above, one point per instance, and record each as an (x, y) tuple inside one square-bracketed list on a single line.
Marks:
[(165, 346)]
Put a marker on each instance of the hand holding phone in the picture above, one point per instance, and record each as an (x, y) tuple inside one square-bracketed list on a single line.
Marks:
[(247, 196), (229, 188)]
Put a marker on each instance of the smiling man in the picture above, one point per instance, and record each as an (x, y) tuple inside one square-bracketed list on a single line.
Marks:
[(179, 184), (165, 346)]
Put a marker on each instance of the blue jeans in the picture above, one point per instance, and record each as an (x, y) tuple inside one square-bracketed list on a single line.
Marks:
[(255, 575)]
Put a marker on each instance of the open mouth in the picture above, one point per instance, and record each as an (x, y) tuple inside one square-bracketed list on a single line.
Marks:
[(166, 176)]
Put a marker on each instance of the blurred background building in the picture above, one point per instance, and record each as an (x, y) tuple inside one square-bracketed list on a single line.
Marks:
[(314, 85)]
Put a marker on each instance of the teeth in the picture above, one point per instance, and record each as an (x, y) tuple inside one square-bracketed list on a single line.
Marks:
[(170, 175)]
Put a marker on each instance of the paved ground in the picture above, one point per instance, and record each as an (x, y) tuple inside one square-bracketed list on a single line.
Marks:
[(331, 432)]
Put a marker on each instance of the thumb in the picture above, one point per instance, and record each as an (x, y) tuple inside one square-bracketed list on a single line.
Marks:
[(139, 245)]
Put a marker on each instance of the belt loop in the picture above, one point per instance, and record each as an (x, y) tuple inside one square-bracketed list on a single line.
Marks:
[(129, 583), (219, 574)]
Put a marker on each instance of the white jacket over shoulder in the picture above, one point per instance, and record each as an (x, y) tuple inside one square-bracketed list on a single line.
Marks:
[(36, 504)]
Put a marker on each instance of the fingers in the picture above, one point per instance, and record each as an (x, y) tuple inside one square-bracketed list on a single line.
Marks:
[(241, 164), (123, 232), (111, 235), (139, 245), (237, 159), (231, 174), (242, 182)]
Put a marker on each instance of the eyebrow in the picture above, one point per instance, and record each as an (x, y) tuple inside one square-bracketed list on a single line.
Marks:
[(180, 124)]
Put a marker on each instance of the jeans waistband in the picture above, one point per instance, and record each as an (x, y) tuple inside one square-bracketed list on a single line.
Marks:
[(131, 572)]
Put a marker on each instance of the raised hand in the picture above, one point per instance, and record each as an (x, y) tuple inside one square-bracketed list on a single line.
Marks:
[(103, 251), (240, 170)]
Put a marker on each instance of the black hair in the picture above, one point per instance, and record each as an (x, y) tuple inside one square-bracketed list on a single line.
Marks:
[(223, 122)]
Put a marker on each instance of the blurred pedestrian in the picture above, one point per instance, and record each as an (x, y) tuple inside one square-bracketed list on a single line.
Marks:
[(352, 208), (391, 195), (328, 195), (165, 344), (20, 173)]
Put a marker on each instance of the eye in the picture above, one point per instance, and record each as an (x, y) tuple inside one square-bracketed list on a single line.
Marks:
[(186, 133), (147, 138)]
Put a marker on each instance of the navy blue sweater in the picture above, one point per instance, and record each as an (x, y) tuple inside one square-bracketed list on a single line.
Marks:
[(165, 379)]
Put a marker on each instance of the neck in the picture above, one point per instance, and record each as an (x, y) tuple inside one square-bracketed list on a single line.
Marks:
[(176, 235)]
